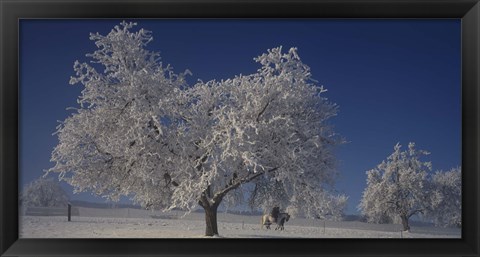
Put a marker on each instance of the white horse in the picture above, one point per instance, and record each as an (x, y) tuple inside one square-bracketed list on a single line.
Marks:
[(267, 220)]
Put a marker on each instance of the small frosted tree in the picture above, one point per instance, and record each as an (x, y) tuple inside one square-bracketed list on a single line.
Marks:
[(142, 132), (44, 192), (325, 206), (398, 188), (447, 198)]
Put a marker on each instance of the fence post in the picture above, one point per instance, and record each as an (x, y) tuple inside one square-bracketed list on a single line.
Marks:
[(324, 225), (69, 212)]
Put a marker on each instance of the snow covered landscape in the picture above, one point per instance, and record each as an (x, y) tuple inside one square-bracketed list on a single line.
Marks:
[(137, 223), (266, 142)]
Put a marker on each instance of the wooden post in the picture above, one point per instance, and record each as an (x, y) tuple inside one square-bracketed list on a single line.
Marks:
[(69, 212), (324, 226)]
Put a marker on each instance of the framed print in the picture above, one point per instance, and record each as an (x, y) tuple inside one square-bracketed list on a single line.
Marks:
[(239, 128)]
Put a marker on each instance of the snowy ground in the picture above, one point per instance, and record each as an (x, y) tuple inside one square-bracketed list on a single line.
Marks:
[(134, 223)]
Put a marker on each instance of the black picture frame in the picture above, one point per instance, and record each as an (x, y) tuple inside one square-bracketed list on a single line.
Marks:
[(13, 10)]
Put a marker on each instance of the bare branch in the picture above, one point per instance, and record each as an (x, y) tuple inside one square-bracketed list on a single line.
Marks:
[(244, 180), (263, 110)]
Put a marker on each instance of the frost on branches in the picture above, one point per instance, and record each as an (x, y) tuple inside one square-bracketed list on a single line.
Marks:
[(44, 193), (141, 131), (398, 188), (447, 198)]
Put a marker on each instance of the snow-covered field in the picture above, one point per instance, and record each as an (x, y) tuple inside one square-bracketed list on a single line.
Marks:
[(134, 223)]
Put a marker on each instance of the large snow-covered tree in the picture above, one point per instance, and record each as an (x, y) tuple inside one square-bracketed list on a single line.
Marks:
[(397, 188), (44, 192), (141, 131), (447, 198)]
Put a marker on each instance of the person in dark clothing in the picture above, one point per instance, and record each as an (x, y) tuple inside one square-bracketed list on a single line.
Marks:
[(275, 212)]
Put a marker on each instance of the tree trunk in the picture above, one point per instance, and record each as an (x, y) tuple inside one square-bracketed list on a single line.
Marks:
[(406, 226), (211, 220)]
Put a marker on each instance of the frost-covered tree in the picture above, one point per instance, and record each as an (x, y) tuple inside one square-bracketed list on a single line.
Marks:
[(447, 198), (325, 206), (43, 192), (141, 131), (117, 142), (398, 188)]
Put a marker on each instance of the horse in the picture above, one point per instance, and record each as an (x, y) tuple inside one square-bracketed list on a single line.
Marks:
[(267, 220)]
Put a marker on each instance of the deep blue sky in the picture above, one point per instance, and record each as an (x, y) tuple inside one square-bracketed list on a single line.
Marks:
[(394, 80)]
